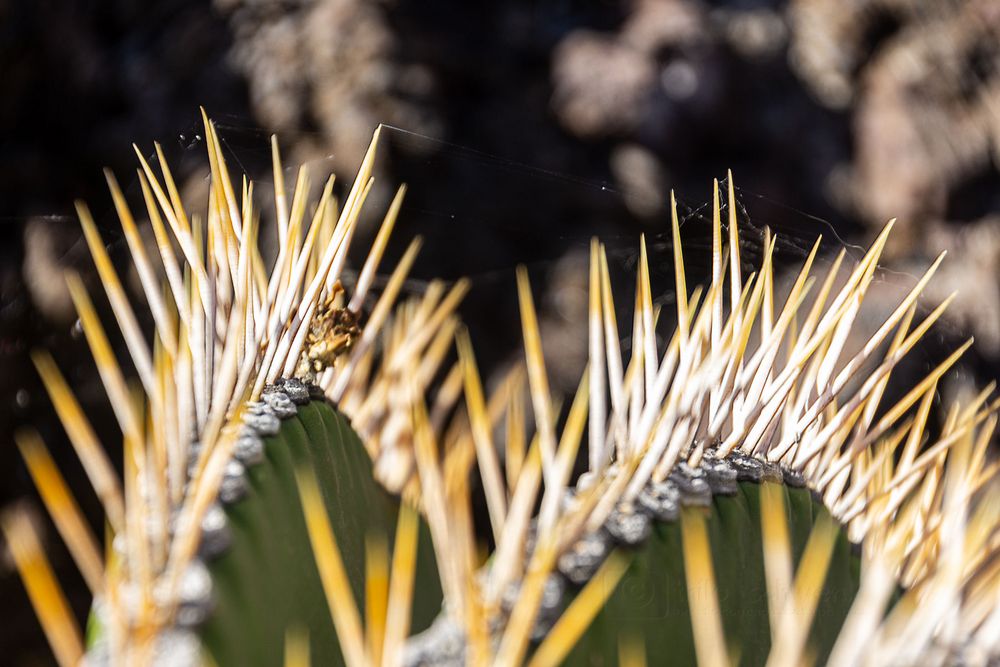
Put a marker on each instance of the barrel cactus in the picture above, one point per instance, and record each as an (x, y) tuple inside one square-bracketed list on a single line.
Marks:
[(300, 460)]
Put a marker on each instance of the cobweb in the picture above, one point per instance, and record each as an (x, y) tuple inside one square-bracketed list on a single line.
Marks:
[(487, 214), (481, 215)]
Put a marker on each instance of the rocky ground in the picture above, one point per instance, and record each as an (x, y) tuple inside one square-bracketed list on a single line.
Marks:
[(526, 127)]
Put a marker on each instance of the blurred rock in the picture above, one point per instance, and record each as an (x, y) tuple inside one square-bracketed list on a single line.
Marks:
[(329, 65), (563, 320), (927, 118), (970, 272), (922, 80), (602, 87), (640, 175), (754, 33), (46, 245)]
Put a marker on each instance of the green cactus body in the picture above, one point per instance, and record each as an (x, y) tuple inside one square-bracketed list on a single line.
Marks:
[(651, 601), (266, 581)]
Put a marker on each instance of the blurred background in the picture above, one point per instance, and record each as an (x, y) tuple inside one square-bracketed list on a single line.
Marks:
[(522, 129)]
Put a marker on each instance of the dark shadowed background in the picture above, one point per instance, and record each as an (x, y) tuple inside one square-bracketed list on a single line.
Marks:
[(522, 129)]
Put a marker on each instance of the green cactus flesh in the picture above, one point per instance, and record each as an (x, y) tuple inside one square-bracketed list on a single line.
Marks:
[(651, 600), (267, 581)]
